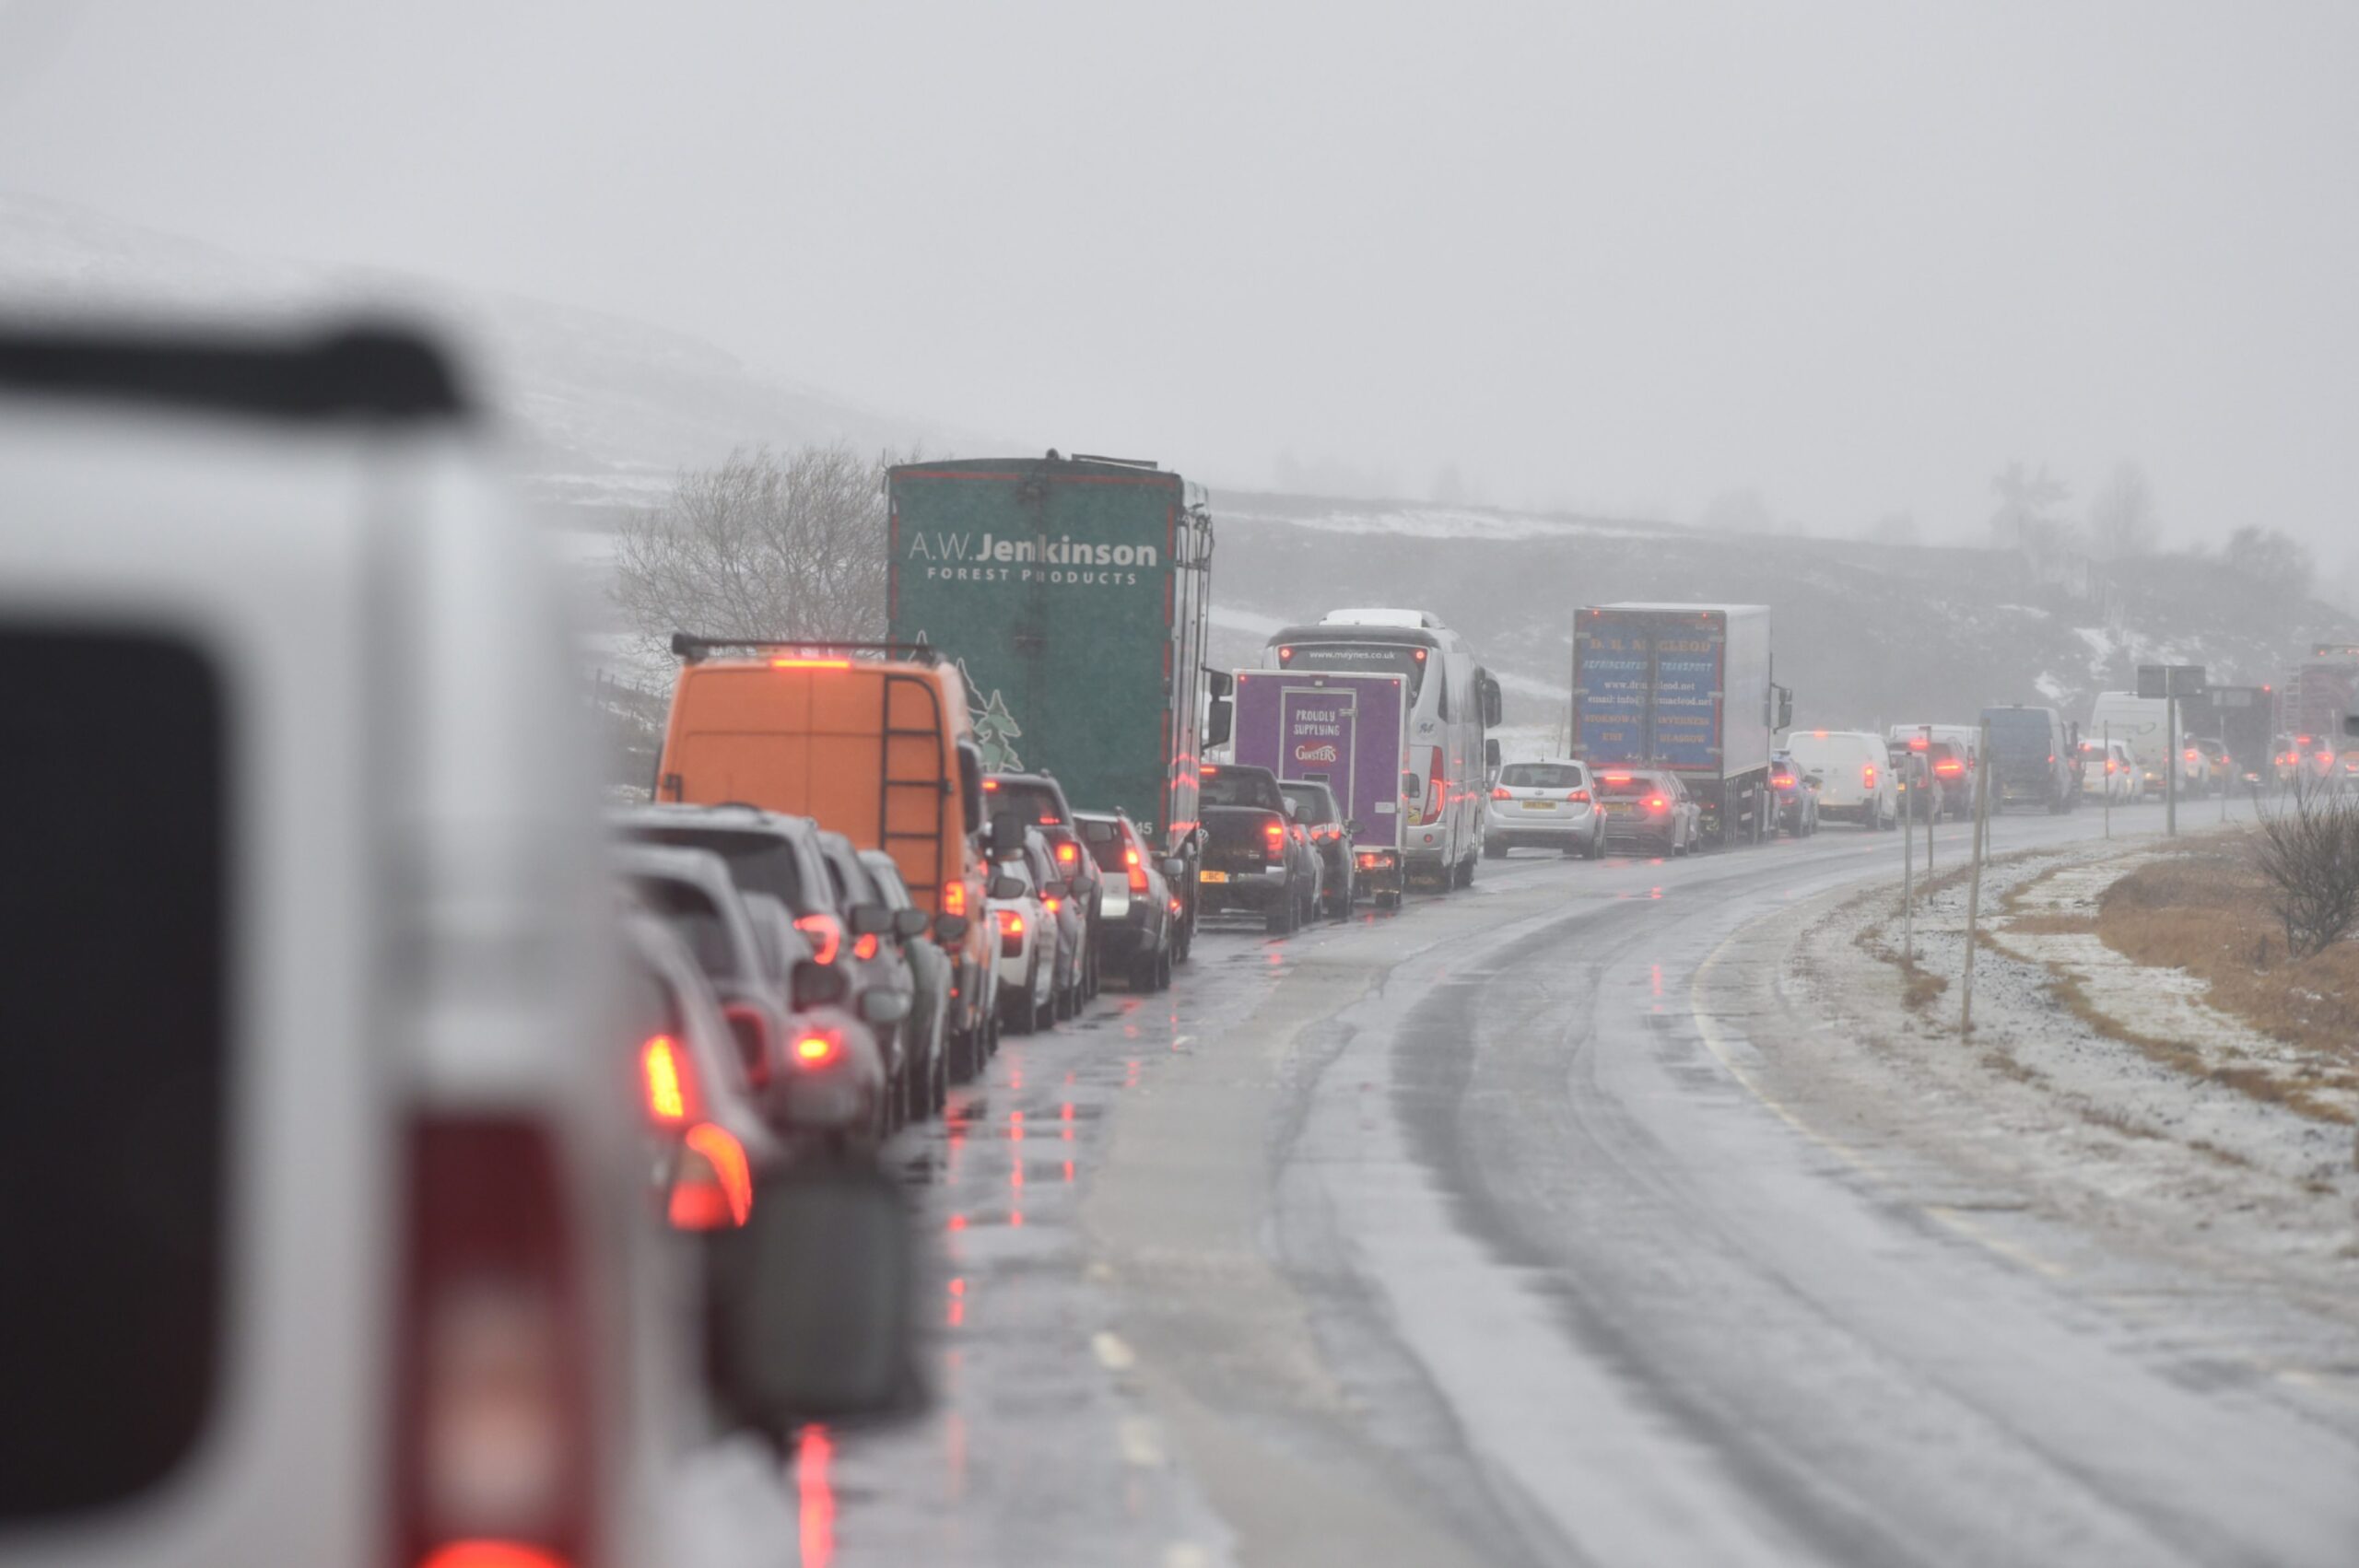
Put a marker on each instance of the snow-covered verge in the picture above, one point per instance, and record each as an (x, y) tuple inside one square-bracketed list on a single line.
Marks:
[(2140, 1146)]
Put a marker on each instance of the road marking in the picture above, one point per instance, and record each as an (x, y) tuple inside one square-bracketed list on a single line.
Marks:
[(1140, 1444), (1113, 1354)]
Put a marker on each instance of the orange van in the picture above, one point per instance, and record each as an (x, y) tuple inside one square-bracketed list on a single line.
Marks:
[(868, 740)]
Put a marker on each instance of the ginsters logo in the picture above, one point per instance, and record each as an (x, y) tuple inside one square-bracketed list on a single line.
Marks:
[(963, 557), (1325, 751)]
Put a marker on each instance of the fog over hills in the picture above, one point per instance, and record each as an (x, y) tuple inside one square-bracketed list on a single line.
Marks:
[(607, 410)]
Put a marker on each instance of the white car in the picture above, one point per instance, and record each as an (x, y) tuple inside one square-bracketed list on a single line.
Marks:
[(1851, 773), (351, 1260), (1549, 804), (2109, 771), (1028, 941)]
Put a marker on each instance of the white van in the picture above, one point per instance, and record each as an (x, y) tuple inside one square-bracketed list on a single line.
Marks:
[(326, 1225), (1850, 771), (2141, 724)]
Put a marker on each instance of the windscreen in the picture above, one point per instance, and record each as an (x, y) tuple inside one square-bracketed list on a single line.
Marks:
[(1105, 842), (1315, 803), (1036, 804), (693, 918), (115, 1077), (758, 862), (1236, 787), (1541, 776), (1405, 660), (1628, 786)]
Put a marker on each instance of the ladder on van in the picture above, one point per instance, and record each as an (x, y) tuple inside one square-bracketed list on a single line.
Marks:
[(935, 786)]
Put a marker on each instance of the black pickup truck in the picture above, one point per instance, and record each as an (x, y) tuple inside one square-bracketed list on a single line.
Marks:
[(1257, 854)]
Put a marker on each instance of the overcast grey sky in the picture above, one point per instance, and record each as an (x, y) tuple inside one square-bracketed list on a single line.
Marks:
[(1856, 256)]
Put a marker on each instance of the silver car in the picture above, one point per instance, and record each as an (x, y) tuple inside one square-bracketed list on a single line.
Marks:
[(1550, 805)]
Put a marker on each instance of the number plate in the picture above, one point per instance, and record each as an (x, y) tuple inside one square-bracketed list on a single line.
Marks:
[(1212, 876), (1540, 805)]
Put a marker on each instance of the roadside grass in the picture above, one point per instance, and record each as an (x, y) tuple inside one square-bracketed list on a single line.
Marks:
[(2207, 912)]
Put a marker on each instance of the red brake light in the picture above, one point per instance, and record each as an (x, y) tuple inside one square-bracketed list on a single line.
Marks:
[(990, 785), (1949, 768), (494, 1460), (866, 948), (1010, 923), (659, 1068), (810, 664), (1066, 853), (1209, 770), (1868, 774), (715, 1188), (820, 1047), (827, 934), (1502, 793), (1137, 871), (1275, 832), (1919, 743), (1284, 654), (1657, 803), (954, 898), (1053, 905), (1418, 654), (1619, 778)]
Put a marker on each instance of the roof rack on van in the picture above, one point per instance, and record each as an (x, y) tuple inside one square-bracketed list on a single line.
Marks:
[(692, 649)]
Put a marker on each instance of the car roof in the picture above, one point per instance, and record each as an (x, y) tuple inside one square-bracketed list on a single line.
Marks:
[(675, 863), (733, 816)]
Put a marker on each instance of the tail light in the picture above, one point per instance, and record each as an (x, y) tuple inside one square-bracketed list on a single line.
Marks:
[(662, 1071), (1011, 934), (1868, 774), (713, 1190), (494, 1457), (1502, 793), (1137, 871), (1053, 905), (753, 1035), (1950, 770), (954, 899), (1068, 854), (1578, 797), (1436, 780), (866, 947), (827, 934), (815, 1048), (1657, 803), (1275, 833)]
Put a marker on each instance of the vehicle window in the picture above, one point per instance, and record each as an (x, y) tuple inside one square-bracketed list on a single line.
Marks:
[(852, 879), (1316, 803), (698, 921), (651, 1006), (1542, 776), (1105, 842), (1628, 786), (758, 862), (1232, 787), (116, 1075), (1385, 658), (1036, 804), (886, 879)]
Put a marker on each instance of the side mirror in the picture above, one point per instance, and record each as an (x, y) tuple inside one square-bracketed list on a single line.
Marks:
[(811, 1305), (884, 1007), (1494, 706), (1219, 683), (817, 985), (909, 923), (1294, 810), (1351, 825), (1006, 886), (1412, 786), (1174, 869), (1491, 753), (1218, 721), (1813, 780), (869, 919), (950, 929)]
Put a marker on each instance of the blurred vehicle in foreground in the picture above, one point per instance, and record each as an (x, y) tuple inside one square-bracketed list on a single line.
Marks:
[(338, 1208)]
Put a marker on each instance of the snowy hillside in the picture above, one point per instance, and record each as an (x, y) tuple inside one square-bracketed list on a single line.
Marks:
[(608, 409)]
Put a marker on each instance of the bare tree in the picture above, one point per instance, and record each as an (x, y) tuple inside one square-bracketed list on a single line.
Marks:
[(789, 547), (2310, 853), (2121, 515), (2270, 559), (2029, 503)]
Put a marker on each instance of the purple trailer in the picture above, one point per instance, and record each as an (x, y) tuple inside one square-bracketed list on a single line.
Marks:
[(1348, 731)]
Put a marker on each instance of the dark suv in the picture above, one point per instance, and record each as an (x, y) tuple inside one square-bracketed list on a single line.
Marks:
[(1254, 859)]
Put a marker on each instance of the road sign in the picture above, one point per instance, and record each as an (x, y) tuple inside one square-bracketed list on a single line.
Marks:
[(2170, 680)]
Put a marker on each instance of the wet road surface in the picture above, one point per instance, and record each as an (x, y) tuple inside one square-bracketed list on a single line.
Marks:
[(1459, 1235)]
